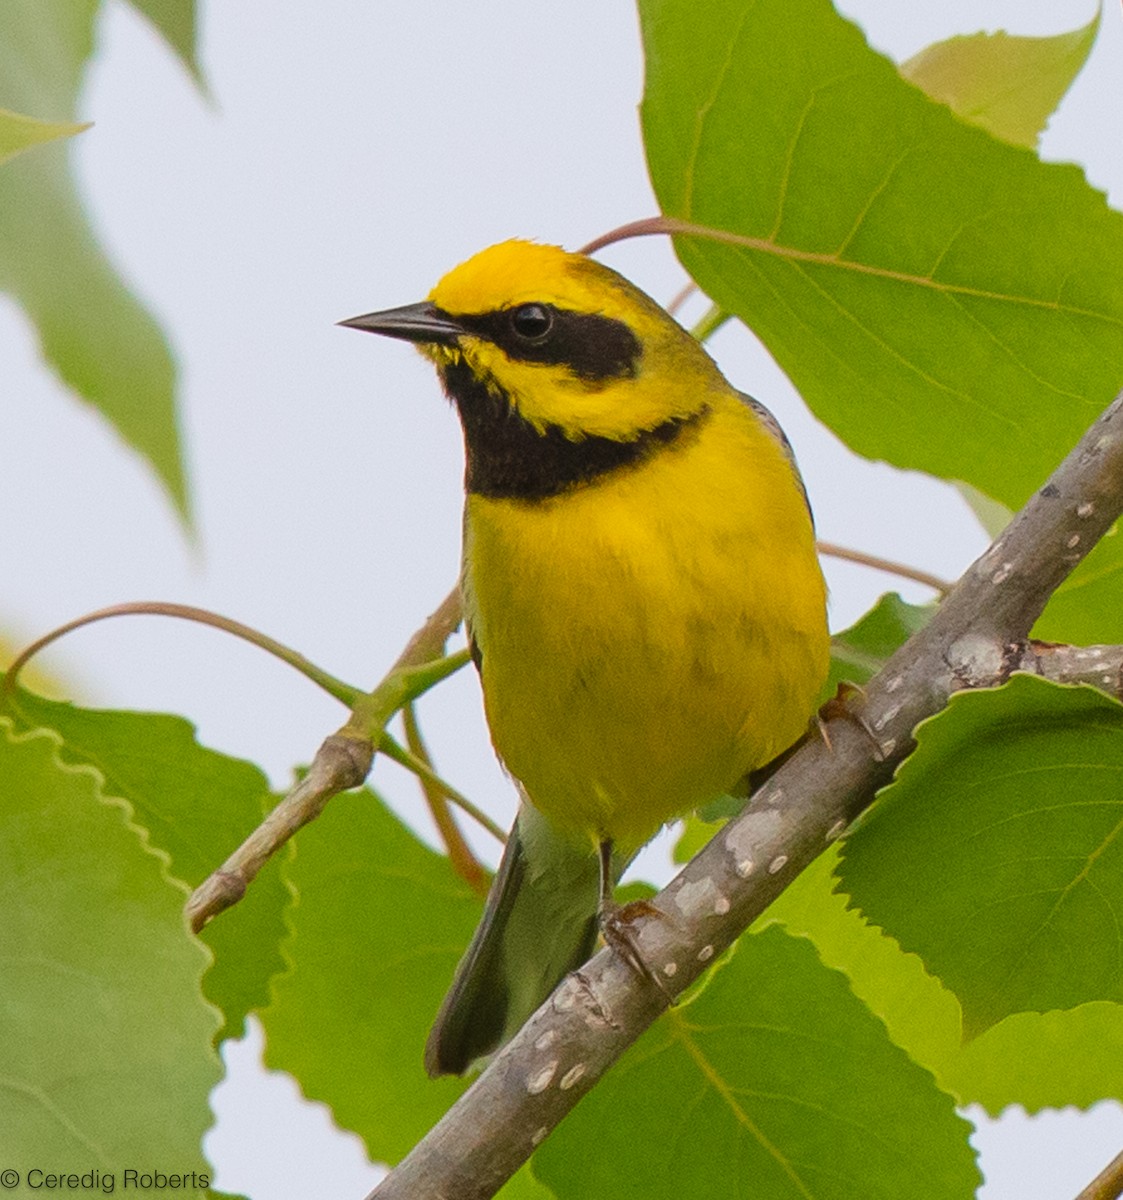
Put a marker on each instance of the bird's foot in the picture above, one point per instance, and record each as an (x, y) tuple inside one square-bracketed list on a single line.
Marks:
[(616, 926), (841, 707)]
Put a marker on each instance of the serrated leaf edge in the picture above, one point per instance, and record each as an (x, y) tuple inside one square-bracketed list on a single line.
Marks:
[(112, 801)]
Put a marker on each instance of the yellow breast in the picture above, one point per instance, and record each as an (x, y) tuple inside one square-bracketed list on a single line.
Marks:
[(651, 636)]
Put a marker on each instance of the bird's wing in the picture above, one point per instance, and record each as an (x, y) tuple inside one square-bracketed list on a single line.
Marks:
[(764, 415)]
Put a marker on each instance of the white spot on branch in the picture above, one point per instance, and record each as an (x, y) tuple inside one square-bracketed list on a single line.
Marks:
[(751, 830), (541, 1080), (692, 899), (576, 1072)]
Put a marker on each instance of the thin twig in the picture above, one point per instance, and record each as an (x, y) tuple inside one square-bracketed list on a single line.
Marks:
[(429, 641), (1108, 1184), (438, 796), (943, 586), (342, 761), (975, 639), (421, 768), (681, 297), (341, 691)]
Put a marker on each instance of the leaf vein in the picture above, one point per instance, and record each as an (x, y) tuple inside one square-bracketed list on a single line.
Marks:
[(742, 1117)]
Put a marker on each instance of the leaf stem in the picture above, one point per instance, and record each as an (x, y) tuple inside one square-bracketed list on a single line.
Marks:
[(392, 748), (460, 855), (711, 321), (343, 760), (1108, 1184), (885, 564), (343, 692), (680, 297), (402, 684)]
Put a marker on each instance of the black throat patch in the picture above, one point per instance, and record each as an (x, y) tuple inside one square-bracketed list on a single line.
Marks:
[(507, 458)]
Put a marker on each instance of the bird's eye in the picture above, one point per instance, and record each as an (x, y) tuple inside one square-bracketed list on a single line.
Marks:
[(531, 321)]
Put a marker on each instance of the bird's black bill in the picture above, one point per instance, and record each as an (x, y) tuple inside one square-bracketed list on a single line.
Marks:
[(412, 323)]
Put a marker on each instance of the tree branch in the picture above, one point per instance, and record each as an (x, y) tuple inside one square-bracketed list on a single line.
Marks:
[(1108, 1184), (976, 638)]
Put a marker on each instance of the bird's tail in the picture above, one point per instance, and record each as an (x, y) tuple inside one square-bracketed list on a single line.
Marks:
[(539, 923)]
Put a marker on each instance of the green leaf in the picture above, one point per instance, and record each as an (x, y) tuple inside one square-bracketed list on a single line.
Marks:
[(195, 805), (379, 926), (933, 293), (523, 1186), (1037, 1060), (995, 855), (176, 22), (694, 835), (106, 1047), (992, 516), (93, 332), (773, 1081), (1006, 84), (245, 941), (1086, 608), (19, 133), (1042, 1060)]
